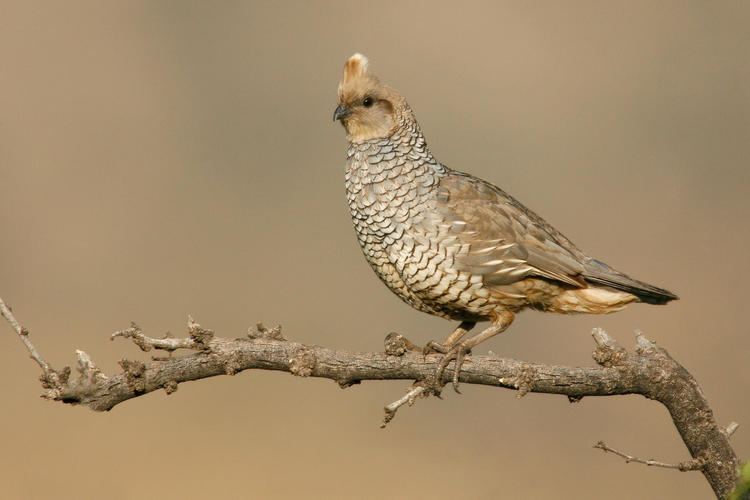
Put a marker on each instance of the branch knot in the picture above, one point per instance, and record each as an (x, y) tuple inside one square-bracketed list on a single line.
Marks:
[(261, 332), (608, 352), (135, 374), (525, 380), (233, 364), (170, 387), (303, 363), (201, 336), (398, 345)]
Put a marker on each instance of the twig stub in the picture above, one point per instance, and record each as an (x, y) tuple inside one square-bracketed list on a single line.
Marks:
[(417, 391)]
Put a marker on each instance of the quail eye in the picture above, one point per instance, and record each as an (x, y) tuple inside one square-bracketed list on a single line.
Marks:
[(368, 101)]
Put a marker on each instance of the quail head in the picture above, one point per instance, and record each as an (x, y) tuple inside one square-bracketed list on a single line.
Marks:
[(453, 245)]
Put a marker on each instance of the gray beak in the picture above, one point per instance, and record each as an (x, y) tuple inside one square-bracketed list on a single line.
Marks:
[(341, 112)]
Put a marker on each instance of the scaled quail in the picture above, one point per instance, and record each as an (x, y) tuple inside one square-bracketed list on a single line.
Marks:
[(453, 245)]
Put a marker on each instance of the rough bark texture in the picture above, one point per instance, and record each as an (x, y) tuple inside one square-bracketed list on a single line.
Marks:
[(649, 371)]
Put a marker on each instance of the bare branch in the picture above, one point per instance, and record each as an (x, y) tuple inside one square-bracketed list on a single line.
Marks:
[(649, 371), (694, 464), (51, 380), (23, 334)]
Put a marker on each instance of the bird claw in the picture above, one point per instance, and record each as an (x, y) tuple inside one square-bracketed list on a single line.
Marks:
[(456, 353), (433, 347)]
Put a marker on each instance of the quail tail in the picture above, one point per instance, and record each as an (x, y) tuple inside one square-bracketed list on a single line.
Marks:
[(599, 273)]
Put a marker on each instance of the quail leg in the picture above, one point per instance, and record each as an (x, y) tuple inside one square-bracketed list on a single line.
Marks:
[(459, 333), (459, 350)]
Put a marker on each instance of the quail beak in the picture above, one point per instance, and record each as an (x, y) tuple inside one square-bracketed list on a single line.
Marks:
[(341, 112)]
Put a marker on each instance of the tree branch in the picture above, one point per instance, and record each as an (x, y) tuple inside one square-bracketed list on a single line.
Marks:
[(694, 464), (50, 378), (649, 371)]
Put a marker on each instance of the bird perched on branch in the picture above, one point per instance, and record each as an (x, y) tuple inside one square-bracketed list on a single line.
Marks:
[(453, 245)]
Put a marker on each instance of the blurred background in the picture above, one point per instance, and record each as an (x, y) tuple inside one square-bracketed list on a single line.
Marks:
[(160, 159)]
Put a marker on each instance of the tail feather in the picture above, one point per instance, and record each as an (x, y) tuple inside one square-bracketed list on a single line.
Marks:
[(598, 273)]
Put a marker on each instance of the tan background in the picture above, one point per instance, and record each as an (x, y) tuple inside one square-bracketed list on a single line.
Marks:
[(165, 158)]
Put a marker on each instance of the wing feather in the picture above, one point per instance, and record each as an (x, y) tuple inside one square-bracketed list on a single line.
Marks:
[(507, 242)]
